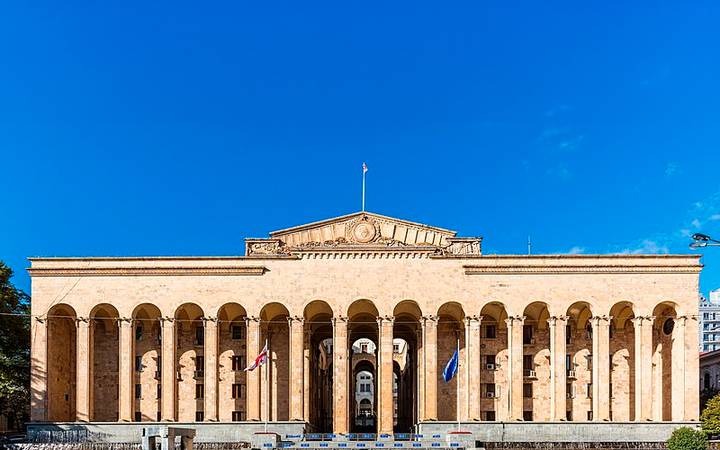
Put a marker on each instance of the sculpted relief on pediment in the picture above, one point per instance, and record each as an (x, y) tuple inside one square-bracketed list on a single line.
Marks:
[(356, 232)]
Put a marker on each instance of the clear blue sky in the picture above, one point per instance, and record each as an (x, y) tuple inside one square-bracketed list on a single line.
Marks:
[(168, 128)]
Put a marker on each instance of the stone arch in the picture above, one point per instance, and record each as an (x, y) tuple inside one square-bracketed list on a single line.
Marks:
[(62, 363), (362, 324), (622, 357), (147, 363), (189, 362), (318, 315), (536, 362), (406, 332), (232, 360), (578, 361), (275, 330), (105, 341), (494, 361), (664, 345), (451, 330)]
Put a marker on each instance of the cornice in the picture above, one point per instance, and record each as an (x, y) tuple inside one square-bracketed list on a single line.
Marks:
[(580, 269), (147, 271)]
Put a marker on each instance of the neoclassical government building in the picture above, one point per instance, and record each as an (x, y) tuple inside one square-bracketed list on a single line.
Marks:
[(558, 338)]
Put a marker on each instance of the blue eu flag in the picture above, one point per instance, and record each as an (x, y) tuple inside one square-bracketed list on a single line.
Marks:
[(451, 368)]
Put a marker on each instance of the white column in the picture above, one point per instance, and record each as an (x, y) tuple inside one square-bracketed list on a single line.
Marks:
[(126, 357), (83, 373), (211, 369), (168, 376)]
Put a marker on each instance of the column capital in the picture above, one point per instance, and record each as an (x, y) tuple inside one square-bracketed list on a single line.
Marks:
[(600, 320), (41, 319), (212, 321), (557, 320), (124, 322), (515, 320), (339, 320), (251, 319), (473, 321), (385, 320), (167, 320), (295, 320), (82, 322)]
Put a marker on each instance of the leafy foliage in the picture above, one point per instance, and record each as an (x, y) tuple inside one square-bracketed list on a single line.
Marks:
[(686, 438), (14, 350), (710, 416)]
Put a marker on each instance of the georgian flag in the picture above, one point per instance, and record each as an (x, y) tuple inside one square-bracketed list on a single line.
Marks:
[(260, 360), (364, 168)]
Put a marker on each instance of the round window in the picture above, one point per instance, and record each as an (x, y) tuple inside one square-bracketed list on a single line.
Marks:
[(668, 326)]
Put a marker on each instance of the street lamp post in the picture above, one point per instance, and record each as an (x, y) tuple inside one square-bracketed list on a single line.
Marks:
[(703, 240)]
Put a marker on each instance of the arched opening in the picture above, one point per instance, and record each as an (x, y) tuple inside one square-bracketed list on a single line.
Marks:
[(363, 334), (493, 361), (232, 378), (664, 336), (61, 355), (318, 353), (364, 378), (147, 364), (104, 386), (276, 332), (622, 362), (578, 362), (406, 347), (190, 363), (451, 337), (536, 363)]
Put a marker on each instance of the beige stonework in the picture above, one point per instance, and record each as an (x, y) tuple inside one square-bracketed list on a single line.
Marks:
[(542, 338)]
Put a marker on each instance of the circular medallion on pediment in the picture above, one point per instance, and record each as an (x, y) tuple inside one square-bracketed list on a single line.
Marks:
[(364, 231)]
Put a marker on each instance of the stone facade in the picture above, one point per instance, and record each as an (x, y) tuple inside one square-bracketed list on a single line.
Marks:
[(542, 337)]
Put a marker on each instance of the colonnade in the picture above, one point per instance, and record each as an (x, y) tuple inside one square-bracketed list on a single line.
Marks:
[(647, 385)]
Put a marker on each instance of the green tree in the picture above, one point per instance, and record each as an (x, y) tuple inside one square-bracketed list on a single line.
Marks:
[(686, 438), (710, 416), (14, 350)]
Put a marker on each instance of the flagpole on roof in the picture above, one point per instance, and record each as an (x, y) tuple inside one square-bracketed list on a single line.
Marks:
[(364, 170)]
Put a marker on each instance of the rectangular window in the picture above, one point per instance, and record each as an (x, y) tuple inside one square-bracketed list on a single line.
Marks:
[(138, 332), (528, 365), (489, 359), (490, 332), (568, 363), (238, 390), (568, 334), (200, 363), (199, 335), (238, 362), (570, 390), (199, 416), (527, 334), (568, 416), (238, 416), (706, 316), (527, 390), (490, 390), (138, 416), (363, 348), (589, 415), (138, 390), (199, 391), (610, 391), (396, 348), (490, 416), (159, 390), (138, 364), (589, 390), (238, 332), (527, 416)]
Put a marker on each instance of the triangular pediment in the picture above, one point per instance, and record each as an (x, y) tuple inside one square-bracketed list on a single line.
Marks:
[(360, 230)]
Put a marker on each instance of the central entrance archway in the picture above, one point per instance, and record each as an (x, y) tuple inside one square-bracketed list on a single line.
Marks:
[(363, 334)]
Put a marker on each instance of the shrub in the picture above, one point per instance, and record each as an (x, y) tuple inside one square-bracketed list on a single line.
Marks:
[(710, 416), (686, 438)]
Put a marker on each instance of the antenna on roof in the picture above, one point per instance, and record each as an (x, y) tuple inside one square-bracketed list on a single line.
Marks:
[(529, 246)]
